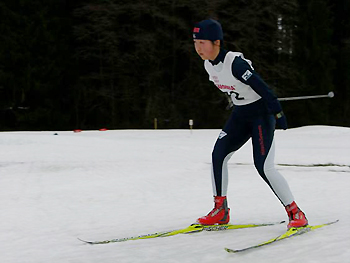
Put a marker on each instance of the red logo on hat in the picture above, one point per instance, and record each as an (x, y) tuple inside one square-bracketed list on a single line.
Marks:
[(196, 30)]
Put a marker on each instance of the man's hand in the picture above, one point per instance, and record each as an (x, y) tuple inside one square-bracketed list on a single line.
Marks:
[(281, 121)]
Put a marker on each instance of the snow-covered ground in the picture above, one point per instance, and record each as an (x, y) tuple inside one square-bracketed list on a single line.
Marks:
[(99, 185)]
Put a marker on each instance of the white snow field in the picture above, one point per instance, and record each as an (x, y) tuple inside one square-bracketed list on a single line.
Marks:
[(99, 185)]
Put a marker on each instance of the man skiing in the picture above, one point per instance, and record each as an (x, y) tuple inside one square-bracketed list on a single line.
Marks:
[(255, 115)]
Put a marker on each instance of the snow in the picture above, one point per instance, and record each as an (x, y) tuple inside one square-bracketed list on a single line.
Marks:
[(98, 185)]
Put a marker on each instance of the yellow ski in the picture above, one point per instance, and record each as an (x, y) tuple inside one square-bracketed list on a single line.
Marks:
[(194, 228), (289, 233)]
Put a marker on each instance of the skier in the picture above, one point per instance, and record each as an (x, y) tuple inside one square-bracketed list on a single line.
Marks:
[(256, 113)]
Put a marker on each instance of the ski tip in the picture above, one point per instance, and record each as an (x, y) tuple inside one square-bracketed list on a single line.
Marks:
[(84, 241), (325, 224), (333, 222), (229, 250)]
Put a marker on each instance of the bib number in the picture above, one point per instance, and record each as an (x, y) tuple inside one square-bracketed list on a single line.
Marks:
[(237, 97)]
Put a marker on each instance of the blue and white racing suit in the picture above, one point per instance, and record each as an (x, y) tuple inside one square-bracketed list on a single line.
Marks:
[(252, 117)]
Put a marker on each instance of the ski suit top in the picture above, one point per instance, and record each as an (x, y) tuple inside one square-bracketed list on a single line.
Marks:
[(234, 74)]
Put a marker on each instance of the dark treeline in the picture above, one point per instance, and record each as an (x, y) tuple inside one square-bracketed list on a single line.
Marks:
[(120, 64)]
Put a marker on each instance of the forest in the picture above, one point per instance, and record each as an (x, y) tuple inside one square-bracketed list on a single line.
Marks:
[(118, 64)]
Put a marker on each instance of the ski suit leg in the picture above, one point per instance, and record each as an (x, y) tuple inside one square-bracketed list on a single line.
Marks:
[(234, 134), (264, 153)]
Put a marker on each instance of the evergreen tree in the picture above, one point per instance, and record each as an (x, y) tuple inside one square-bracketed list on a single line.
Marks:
[(315, 60), (121, 64), (264, 32), (34, 59), (340, 105), (155, 71)]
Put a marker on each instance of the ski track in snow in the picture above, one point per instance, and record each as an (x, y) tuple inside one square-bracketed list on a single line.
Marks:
[(100, 185)]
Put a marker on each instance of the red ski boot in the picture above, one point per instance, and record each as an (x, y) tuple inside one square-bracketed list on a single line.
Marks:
[(296, 216), (219, 215)]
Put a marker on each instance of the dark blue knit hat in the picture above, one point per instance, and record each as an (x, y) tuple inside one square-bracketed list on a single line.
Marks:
[(208, 29)]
